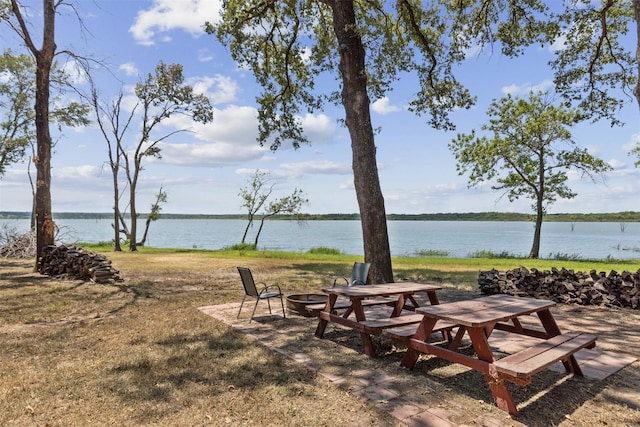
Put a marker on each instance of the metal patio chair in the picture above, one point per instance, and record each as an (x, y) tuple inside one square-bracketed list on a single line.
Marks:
[(250, 290), (359, 274)]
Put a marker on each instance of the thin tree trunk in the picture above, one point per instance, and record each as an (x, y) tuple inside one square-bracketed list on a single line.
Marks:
[(147, 224), (116, 215), (115, 167), (246, 230), (535, 248), (358, 120), (258, 233), (134, 217)]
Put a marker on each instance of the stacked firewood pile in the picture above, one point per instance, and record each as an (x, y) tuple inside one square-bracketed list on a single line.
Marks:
[(71, 262), (566, 286)]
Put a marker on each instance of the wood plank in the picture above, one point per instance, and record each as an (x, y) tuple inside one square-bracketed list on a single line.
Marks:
[(407, 331), (534, 359), (385, 289), (485, 310), (392, 321), (340, 305)]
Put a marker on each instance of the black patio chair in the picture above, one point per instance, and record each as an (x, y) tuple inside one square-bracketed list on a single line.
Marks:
[(250, 290)]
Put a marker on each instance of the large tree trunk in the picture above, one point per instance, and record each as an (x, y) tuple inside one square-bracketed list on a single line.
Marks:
[(358, 120), (636, 10), (45, 227)]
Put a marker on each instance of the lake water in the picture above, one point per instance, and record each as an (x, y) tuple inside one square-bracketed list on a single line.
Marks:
[(588, 240)]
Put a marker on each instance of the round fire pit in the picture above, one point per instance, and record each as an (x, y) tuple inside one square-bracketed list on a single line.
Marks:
[(297, 304)]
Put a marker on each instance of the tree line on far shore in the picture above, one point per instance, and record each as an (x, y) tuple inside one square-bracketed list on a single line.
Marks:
[(627, 216)]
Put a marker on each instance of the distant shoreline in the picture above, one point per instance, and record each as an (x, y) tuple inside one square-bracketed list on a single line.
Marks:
[(623, 217)]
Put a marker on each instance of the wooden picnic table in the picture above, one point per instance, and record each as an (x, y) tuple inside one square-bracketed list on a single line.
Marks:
[(478, 318), (399, 293)]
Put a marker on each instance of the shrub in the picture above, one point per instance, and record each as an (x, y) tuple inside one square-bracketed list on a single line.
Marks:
[(323, 250), (491, 254), (432, 253), (241, 247)]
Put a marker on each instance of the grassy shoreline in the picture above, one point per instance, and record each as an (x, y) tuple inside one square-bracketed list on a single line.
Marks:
[(444, 264)]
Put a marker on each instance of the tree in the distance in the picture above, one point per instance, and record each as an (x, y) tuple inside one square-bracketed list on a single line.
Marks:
[(113, 123), (286, 205), (256, 195), (528, 152), (160, 96)]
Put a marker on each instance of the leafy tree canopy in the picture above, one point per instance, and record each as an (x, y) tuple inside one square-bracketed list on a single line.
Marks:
[(289, 43), (17, 98)]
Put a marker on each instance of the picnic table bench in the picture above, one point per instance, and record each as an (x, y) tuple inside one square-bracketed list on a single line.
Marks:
[(519, 367)]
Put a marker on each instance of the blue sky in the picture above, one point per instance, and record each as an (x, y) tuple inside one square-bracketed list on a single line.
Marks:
[(202, 172)]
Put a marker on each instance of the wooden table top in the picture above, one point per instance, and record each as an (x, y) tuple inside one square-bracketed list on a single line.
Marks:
[(366, 291), (486, 310)]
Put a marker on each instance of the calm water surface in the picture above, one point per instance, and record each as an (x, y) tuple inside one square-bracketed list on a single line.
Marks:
[(593, 240)]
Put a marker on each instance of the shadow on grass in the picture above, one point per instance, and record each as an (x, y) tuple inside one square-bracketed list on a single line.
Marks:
[(207, 365)]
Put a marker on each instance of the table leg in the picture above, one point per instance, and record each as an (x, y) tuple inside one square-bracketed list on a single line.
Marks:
[(328, 308), (501, 394), (422, 334), (367, 343), (397, 310), (433, 298), (549, 323), (497, 386), (552, 329)]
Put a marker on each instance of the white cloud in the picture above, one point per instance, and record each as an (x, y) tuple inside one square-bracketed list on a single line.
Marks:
[(525, 88), (167, 15), (616, 164), (204, 55), (347, 184), (634, 142), (322, 167), (129, 69), (209, 154), (74, 72), (383, 106), (558, 44), (219, 89), (318, 128), (75, 172)]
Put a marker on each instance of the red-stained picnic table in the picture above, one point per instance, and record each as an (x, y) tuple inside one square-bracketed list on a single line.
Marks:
[(478, 318), (399, 294)]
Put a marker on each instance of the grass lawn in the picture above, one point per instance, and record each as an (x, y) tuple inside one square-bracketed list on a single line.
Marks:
[(140, 353)]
